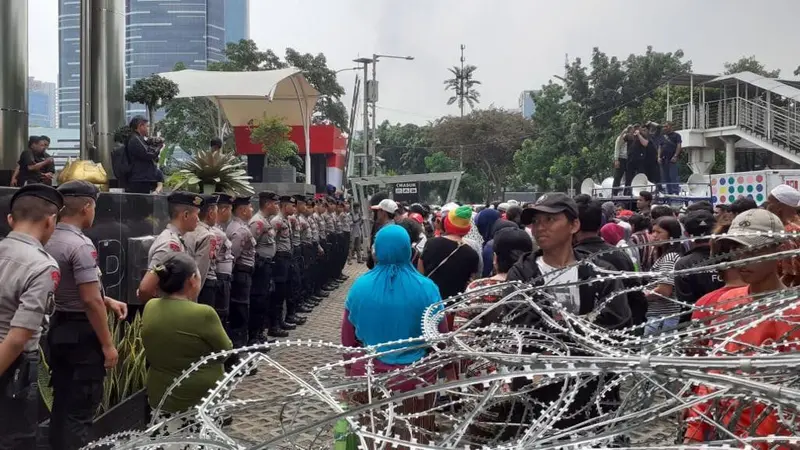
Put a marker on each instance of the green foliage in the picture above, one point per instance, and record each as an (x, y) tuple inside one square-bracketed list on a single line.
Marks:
[(122, 134), (184, 181), (224, 170), (245, 56), (751, 64), (403, 147), (151, 92), (273, 136), (463, 86)]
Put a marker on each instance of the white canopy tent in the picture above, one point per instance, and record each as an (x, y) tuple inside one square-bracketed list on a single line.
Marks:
[(243, 96)]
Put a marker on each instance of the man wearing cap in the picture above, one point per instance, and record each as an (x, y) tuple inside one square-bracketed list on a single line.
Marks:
[(315, 251), (224, 260), (783, 201), (356, 234), (281, 269), (184, 210), (243, 249), (81, 347), (689, 288), (296, 272), (324, 259), (202, 245), (750, 235), (383, 214), (262, 309), (307, 252), (330, 230), (346, 222), (30, 278)]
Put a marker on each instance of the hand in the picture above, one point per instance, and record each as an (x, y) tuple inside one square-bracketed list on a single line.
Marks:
[(660, 160), (616, 164), (674, 159), (50, 160), (159, 188), (111, 356), (320, 252), (48, 176), (14, 182), (119, 309)]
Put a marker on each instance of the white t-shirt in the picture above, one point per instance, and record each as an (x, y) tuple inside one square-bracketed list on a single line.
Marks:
[(569, 296)]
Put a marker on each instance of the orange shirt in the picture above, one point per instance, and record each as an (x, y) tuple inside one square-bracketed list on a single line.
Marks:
[(766, 332), (789, 269)]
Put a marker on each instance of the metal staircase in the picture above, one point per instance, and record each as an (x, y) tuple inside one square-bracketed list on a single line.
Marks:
[(775, 128)]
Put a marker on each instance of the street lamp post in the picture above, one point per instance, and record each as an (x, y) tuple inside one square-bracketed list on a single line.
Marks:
[(375, 58), (365, 64)]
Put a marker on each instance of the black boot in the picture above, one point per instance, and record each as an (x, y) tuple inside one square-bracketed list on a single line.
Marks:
[(303, 309), (288, 326), (278, 332), (297, 320)]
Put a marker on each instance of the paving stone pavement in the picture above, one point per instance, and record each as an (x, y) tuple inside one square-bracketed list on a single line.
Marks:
[(260, 424)]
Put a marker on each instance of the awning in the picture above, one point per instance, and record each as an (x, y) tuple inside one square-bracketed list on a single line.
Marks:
[(244, 96), (783, 88)]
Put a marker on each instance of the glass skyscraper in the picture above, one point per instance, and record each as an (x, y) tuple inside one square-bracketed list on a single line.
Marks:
[(237, 20), (158, 35)]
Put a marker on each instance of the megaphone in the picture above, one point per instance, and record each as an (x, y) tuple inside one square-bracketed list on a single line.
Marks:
[(588, 187), (607, 188), (698, 185)]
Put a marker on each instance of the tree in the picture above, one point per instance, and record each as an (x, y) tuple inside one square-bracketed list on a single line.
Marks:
[(273, 136), (403, 147), (750, 64), (463, 86), (487, 139), (244, 56), (151, 92)]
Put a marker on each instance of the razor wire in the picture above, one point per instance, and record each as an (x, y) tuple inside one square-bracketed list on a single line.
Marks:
[(525, 371)]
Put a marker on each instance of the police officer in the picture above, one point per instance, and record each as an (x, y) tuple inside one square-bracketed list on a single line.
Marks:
[(30, 277), (346, 223), (243, 248), (296, 269), (316, 251), (307, 252), (281, 268), (81, 347), (263, 313), (222, 300), (321, 276), (202, 245), (184, 210), (330, 231)]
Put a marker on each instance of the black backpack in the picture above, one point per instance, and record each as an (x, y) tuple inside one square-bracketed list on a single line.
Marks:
[(120, 163)]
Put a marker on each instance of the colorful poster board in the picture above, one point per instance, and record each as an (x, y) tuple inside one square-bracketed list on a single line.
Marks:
[(727, 187)]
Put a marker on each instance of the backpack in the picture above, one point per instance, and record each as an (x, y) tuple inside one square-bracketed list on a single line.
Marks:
[(120, 163)]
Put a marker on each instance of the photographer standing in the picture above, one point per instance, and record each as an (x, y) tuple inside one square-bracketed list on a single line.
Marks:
[(621, 160), (668, 154), (142, 152), (642, 156)]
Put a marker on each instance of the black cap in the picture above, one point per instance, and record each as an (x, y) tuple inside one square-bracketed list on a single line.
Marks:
[(550, 203), (310, 198), (268, 195), (241, 201), (42, 191), (512, 243), (287, 199), (299, 198), (79, 188), (417, 208), (223, 198), (210, 199), (699, 223), (185, 198)]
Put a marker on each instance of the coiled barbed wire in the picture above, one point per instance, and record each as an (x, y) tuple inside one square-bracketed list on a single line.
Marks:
[(555, 380)]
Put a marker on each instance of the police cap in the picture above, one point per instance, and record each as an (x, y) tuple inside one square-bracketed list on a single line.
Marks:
[(42, 191), (242, 201), (299, 198), (223, 198), (287, 199), (210, 199), (79, 188), (268, 196), (185, 198)]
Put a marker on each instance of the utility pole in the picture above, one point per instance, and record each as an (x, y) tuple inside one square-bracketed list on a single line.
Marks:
[(461, 105), (373, 136), (365, 63)]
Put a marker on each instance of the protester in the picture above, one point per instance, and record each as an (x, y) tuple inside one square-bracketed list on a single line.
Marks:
[(706, 306), (513, 214), (669, 153), (356, 233), (171, 345), (644, 203), (741, 205), (783, 201), (662, 311), (35, 165), (414, 230), (621, 162), (690, 288), (383, 214)]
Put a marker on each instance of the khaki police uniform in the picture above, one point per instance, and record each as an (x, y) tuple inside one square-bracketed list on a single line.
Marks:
[(282, 262), (318, 260), (30, 278), (202, 245), (244, 257), (262, 314), (224, 270), (167, 242)]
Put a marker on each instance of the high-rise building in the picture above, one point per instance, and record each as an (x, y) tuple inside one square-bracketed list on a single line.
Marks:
[(69, 63), (41, 103), (526, 104), (158, 35), (237, 20)]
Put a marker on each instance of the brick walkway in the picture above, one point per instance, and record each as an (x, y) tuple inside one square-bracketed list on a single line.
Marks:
[(262, 423)]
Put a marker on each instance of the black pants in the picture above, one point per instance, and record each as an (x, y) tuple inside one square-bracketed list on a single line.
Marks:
[(140, 187), (239, 318), (77, 365), (309, 266), (281, 273), (295, 281), (259, 297), (208, 294), (19, 410), (222, 300), (345, 251)]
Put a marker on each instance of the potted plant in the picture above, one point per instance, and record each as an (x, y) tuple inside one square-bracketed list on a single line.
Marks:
[(281, 153), (213, 171)]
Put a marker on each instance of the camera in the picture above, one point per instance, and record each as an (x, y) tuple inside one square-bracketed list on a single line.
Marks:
[(154, 141)]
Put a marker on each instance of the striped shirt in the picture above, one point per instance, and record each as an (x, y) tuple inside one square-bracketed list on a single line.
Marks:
[(660, 307)]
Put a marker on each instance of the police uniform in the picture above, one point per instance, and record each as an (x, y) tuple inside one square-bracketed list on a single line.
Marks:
[(307, 254), (30, 278), (171, 240), (243, 248), (263, 313), (76, 357), (346, 223), (322, 261), (281, 268), (224, 265), (330, 231), (202, 244), (316, 253)]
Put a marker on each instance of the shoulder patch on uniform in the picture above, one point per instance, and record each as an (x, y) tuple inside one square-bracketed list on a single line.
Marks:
[(56, 277), (174, 246), (94, 254)]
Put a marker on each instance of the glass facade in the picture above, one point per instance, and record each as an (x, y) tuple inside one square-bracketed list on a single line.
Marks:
[(237, 20), (41, 103), (158, 35)]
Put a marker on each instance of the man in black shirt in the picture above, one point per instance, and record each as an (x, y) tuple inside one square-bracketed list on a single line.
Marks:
[(689, 288), (35, 165)]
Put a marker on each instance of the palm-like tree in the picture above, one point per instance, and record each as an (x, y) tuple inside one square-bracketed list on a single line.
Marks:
[(463, 86)]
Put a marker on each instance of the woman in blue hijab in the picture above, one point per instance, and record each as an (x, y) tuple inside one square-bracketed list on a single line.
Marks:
[(386, 304)]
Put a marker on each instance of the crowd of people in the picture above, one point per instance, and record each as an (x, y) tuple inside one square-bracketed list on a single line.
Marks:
[(651, 149), (223, 276)]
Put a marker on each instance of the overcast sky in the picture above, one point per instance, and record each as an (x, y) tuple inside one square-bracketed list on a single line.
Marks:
[(516, 44)]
